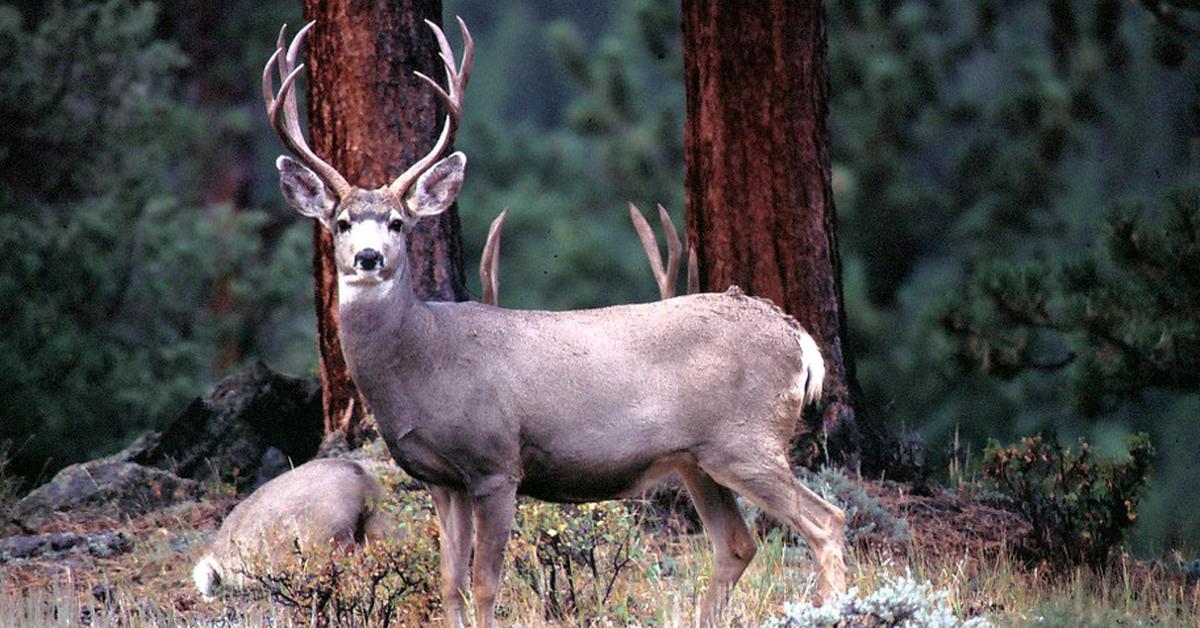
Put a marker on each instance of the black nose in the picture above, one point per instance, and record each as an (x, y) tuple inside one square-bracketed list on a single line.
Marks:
[(368, 259)]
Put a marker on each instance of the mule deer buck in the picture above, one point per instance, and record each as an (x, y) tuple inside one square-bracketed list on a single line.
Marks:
[(319, 502), (483, 403)]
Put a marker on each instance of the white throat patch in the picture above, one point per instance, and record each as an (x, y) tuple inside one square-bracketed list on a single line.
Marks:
[(351, 290)]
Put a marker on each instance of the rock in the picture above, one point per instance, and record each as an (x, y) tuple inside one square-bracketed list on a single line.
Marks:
[(272, 465), (106, 486), (252, 426), (57, 546), (227, 433)]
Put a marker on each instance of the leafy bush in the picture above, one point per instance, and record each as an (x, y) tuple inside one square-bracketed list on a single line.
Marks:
[(572, 556), (1080, 507), (900, 602), (393, 580)]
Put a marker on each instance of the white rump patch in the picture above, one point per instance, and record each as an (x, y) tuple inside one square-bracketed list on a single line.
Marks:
[(812, 369), (207, 576)]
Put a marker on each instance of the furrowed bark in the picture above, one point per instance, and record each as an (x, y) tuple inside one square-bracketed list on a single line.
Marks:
[(757, 174), (370, 117)]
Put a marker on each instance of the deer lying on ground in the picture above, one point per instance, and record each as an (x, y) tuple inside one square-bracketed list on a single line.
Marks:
[(320, 502), (482, 403)]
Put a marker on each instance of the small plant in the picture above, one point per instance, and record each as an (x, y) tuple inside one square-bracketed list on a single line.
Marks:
[(900, 602), (572, 556), (1080, 507)]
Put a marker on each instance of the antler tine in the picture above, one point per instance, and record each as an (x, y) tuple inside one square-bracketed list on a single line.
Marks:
[(284, 113), (674, 246), (650, 244), (693, 276), (489, 262), (452, 96)]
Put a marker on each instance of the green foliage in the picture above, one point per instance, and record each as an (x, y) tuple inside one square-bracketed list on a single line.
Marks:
[(571, 557), (568, 242), (1121, 320), (115, 275), (1081, 507), (899, 601), (968, 137)]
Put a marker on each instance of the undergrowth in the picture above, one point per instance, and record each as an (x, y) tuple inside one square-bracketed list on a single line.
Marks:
[(602, 564)]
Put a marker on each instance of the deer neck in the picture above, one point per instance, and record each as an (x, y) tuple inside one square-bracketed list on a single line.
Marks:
[(380, 323)]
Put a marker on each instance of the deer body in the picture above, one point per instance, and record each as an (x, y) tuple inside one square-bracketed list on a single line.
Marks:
[(548, 387), (483, 403), (320, 502)]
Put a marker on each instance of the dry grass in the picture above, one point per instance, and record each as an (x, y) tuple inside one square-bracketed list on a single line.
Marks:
[(956, 544)]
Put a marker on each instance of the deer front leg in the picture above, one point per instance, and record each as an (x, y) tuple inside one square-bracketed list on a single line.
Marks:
[(454, 527), (493, 520)]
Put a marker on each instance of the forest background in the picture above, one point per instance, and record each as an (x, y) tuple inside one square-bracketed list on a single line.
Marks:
[(1015, 185)]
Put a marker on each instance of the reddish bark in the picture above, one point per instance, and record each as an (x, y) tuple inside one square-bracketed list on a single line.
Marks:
[(759, 200), (370, 117)]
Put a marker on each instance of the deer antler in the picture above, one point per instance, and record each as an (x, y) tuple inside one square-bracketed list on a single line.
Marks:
[(283, 113), (456, 80), (664, 278), (489, 262)]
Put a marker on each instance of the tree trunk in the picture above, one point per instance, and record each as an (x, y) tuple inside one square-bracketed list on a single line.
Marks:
[(370, 117), (757, 173)]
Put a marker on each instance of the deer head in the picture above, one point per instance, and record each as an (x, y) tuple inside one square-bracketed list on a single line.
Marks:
[(369, 227)]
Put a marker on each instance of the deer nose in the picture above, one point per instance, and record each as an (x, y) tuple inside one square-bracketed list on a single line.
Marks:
[(368, 259)]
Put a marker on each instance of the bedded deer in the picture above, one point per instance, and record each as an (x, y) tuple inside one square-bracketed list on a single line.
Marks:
[(319, 502), (482, 403)]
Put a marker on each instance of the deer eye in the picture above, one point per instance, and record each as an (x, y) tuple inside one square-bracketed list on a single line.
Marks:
[(396, 225), (343, 226)]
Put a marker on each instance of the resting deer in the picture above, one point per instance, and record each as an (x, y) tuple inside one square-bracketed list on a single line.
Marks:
[(482, 403), (319, 502)]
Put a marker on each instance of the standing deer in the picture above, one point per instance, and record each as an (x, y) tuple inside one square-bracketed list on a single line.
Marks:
[(483, 403)]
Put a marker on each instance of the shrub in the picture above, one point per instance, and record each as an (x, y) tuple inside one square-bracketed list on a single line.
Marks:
[(573, 556), (1080, 507), (900, 602)]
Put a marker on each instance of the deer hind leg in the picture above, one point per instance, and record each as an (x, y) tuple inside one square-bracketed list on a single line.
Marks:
[(454, 527), (768, 481), (493, 521), (733, 545)]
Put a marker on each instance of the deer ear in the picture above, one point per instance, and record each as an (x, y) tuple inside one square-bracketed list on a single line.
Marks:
[(304, 190), (436, 190)]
